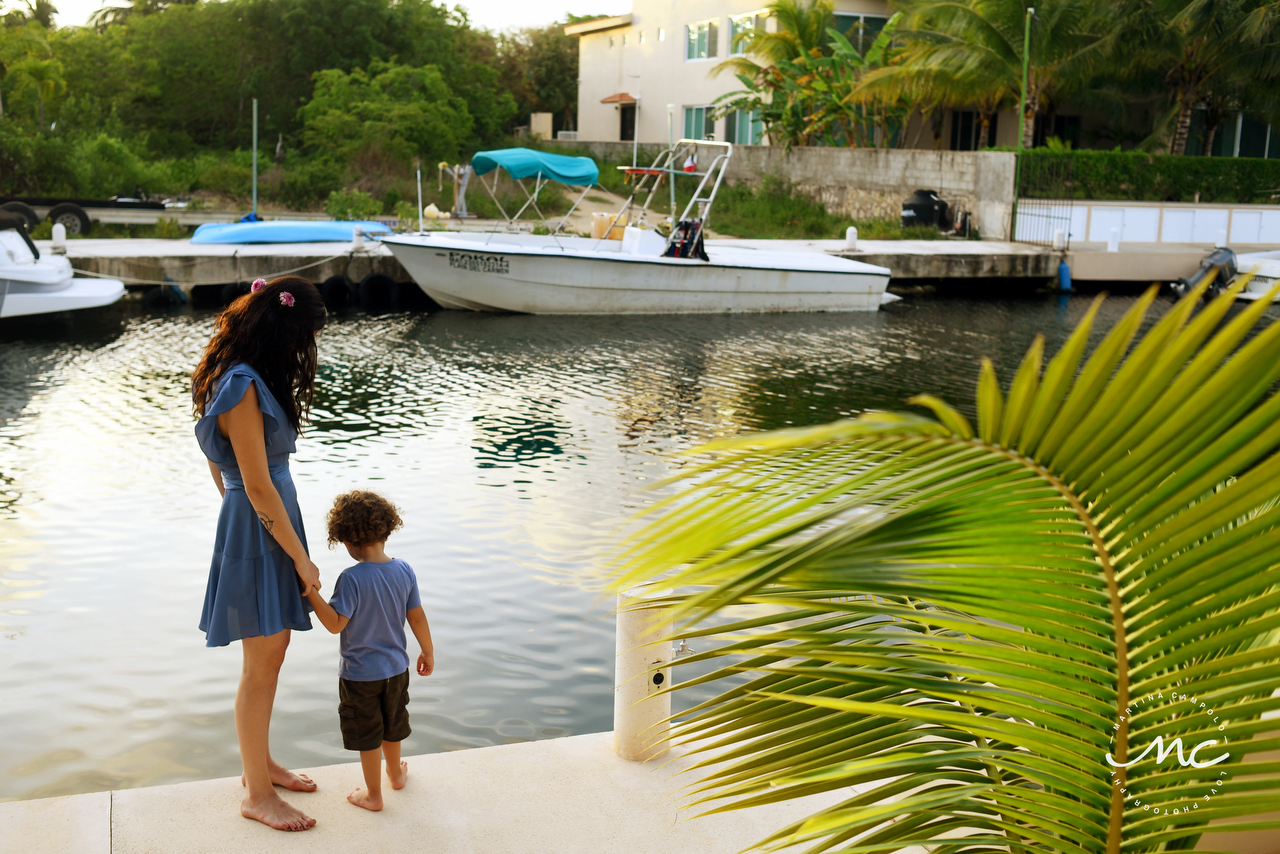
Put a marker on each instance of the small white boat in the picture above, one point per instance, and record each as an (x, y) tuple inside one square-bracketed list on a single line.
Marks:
[(1265, 267), (642, 273), (34, 284)]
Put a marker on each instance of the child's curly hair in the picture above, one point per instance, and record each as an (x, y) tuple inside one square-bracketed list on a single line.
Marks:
[(362, 519)]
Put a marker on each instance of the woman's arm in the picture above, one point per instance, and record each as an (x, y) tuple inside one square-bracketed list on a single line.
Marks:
[(242, 425), (418, 623), (217, 477)]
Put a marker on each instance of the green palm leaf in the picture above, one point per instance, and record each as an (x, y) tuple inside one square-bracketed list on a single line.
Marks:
[(958, 624)]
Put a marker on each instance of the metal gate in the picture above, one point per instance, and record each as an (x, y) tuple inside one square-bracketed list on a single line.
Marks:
[(1044, 199)]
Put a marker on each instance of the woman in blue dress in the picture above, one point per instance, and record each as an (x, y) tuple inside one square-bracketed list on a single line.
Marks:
[(252, 390)]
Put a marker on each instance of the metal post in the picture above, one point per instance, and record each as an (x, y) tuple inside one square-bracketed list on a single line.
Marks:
[(639, 717), (1022, 121), (255, 158), (671, 143), (419, 197)]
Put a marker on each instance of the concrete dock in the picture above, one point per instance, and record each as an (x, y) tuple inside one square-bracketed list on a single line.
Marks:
[(141, 262), (146, 262), (560, 796)]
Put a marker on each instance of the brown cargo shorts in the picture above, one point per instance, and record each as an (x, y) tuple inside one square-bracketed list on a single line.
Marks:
[(373, 712)]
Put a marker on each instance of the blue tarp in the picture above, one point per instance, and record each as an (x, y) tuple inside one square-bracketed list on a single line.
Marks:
[(525, 163), (283, 231)]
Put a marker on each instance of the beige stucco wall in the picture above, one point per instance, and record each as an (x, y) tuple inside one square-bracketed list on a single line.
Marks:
[(656, 70)]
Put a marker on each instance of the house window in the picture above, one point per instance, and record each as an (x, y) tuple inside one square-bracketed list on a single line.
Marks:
[(860, 30), (743, 127), (624, 39), (966, 130), (642, 37), (610, 42), (698, 123), (702, 40), (662, 34), (738, 25)]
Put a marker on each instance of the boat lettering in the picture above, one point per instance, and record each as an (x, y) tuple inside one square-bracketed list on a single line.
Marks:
[(478, 263)]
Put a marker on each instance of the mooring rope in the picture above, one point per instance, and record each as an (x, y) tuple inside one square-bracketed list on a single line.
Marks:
[(136, 281)]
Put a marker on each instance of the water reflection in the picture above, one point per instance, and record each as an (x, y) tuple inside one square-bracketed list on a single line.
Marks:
[(514, 447)]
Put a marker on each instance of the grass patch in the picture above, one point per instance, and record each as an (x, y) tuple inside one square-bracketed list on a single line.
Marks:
[(887, 229)]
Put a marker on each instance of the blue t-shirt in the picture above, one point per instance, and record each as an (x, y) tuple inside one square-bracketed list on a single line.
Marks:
[(375, 597)]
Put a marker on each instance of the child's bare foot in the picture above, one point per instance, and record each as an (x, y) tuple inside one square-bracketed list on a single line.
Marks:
[(282, 776), (362, 798), (398, 780), (275, 811)]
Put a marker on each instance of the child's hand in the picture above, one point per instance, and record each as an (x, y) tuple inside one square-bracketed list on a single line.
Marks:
[(426, 663)]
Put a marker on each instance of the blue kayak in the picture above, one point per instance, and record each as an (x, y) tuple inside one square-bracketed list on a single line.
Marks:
[(284, 231)]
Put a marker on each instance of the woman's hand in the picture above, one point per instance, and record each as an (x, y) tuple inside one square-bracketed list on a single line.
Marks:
[(309, 574)]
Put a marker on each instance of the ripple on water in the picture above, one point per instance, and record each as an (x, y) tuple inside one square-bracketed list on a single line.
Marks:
[(514, 446)]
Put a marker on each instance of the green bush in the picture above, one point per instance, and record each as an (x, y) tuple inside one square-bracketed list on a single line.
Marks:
[(170, 229), (408, 214), (1136, 176), (352, 205), (226, 177), (307, 184)]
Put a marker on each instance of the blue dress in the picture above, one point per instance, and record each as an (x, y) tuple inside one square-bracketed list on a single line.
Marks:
[(253, 586)]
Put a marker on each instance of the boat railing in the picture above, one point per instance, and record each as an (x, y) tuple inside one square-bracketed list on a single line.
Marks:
[(664, 167)]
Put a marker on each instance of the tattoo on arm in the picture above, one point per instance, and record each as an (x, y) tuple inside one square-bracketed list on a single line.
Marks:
[(266, 521)]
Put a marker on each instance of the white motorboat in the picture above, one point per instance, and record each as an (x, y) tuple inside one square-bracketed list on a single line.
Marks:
[(1265, 267), (34, 284), (641, 273)]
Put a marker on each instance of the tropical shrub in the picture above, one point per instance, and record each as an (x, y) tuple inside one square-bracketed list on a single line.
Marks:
[(1136, 176), (352, 205), (1054, 630)]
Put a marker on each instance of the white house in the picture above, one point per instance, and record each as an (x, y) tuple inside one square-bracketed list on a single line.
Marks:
[(648, 74)]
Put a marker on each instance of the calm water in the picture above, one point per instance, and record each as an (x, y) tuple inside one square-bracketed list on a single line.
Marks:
[(514, 446)]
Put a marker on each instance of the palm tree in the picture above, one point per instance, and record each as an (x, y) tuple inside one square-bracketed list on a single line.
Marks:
[(1016, 630), (1198, 46), (801, 32), (110, 16), (26, 55), (981, 41)]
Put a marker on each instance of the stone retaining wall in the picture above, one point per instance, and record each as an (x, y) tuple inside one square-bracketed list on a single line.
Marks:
[(866, 183)]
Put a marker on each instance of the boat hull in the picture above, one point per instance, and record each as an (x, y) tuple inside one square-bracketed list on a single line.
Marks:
[(19, 298), (544, 275), (1265, 267)]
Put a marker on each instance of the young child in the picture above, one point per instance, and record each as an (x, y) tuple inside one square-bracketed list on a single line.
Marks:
[(371, 602)]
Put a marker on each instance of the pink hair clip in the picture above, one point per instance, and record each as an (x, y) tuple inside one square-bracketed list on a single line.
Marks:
[(258, 284), (286, 298)]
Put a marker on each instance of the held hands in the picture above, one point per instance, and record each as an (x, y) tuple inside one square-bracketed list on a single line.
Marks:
[(308, 576), (426, 663)]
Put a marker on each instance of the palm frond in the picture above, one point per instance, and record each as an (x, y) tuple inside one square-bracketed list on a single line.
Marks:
[(995, 632)]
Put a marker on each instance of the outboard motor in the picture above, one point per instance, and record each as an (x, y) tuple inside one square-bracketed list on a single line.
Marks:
[(1222, 261)]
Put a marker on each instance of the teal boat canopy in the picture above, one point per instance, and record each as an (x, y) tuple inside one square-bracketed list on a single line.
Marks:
[(525, 163)]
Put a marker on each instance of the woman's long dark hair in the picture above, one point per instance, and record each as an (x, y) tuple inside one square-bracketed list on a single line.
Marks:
[(273, 331)]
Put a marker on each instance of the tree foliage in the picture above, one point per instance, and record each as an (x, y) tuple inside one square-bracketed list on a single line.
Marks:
[(405, 112), (173, 83)]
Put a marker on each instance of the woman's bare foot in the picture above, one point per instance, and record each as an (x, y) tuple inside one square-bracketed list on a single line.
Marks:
[(362, 798), (282, 776), (398, 780), (275, 811)]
